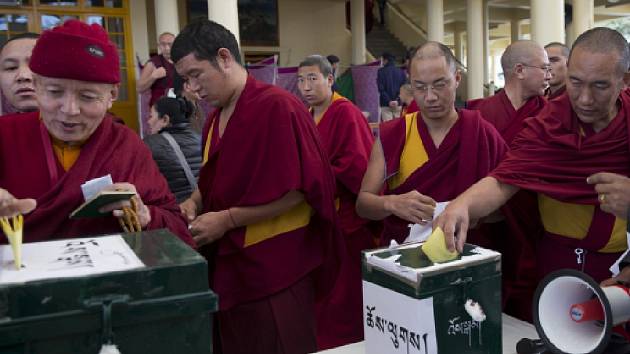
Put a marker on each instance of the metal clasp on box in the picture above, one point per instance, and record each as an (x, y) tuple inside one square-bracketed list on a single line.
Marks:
[(106, 302)]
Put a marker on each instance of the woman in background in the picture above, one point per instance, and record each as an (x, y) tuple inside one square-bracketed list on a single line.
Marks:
[(176, 148)]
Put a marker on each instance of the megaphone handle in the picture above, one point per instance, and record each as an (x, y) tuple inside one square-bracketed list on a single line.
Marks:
[(531, 346)]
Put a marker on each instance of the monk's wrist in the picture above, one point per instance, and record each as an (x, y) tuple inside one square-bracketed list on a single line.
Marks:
[(388, 204), (229, 221)]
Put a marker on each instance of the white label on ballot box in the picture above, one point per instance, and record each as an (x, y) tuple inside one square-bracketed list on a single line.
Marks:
[(68, 258), (396, 323)]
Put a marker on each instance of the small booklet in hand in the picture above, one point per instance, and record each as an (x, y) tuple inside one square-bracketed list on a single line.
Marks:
[(90, 208)]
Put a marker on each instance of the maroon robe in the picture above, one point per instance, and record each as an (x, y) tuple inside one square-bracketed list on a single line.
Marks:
[(412, 108), (30, 169), (161, 86), (270, 147), (499, 111), (550, 96), (471, 149), (553, 155), (521, 212), (347, 138)]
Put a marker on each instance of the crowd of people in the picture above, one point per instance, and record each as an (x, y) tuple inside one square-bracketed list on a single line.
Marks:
[(281, 197)]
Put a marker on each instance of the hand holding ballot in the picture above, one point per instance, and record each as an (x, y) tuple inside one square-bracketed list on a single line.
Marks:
[(411, 206), (435, 248), (454, 222), (10, 206), (118, 208)]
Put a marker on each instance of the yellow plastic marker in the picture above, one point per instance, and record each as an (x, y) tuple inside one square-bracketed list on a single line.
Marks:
[(13, 230), (435, 248)]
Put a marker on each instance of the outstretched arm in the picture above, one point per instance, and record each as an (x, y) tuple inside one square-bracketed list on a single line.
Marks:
[(478, 201)]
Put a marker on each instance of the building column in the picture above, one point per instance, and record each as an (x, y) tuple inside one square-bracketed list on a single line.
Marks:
[(139, 33), (435, 20), (486, 42), (547, 21), (225, 12), (166, 17), (357, 9), (458, 41), (474, 34), (515, 30), (582, 17)]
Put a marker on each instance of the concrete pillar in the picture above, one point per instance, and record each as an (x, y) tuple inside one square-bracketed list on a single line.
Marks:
[(357, 8), (515, 30), (435, 20), (139, 32), (225, 12), (458, 41), (547, 23), (166, 18), (474, 34), (582, 17)]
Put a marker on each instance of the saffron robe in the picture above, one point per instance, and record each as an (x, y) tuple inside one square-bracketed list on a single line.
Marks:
[(521, 212), (270, 146), (553, 155), (30, 169), (347, 138), (471, 149)]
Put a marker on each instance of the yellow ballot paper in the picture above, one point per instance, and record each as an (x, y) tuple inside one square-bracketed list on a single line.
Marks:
[(435, 248), (12, 227)]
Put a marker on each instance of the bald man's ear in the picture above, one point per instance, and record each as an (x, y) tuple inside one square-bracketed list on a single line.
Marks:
[(626, 79), (518, 70)]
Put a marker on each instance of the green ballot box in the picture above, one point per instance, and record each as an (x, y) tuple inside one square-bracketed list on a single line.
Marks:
[(411, 305), (144, 292)]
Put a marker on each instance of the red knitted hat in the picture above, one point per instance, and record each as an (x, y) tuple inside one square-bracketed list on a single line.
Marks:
[(77, 51)]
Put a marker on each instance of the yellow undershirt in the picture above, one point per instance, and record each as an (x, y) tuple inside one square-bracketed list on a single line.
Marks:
[(574, 220), (66, 154), (335, 97), (414, 154)]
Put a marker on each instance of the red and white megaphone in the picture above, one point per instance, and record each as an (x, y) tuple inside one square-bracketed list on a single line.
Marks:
[(573, 314)]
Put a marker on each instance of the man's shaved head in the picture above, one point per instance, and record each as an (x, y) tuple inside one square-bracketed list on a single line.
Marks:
[(431, 50), (563, 48), (604, 40), (523, 51)]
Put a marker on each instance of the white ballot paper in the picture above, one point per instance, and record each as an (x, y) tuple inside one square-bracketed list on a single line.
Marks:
[(68, 258), (420, 233), (614, 269)]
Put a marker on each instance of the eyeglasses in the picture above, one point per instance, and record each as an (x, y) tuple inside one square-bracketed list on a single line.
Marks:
[(545, 68), (437, 87)]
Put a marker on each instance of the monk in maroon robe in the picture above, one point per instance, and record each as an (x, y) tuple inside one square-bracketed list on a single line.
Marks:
[(264, 215), (158, 74), (429, 156), (558, 54), (526, 70), (45, 156), (347, 138), (567, 155)]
